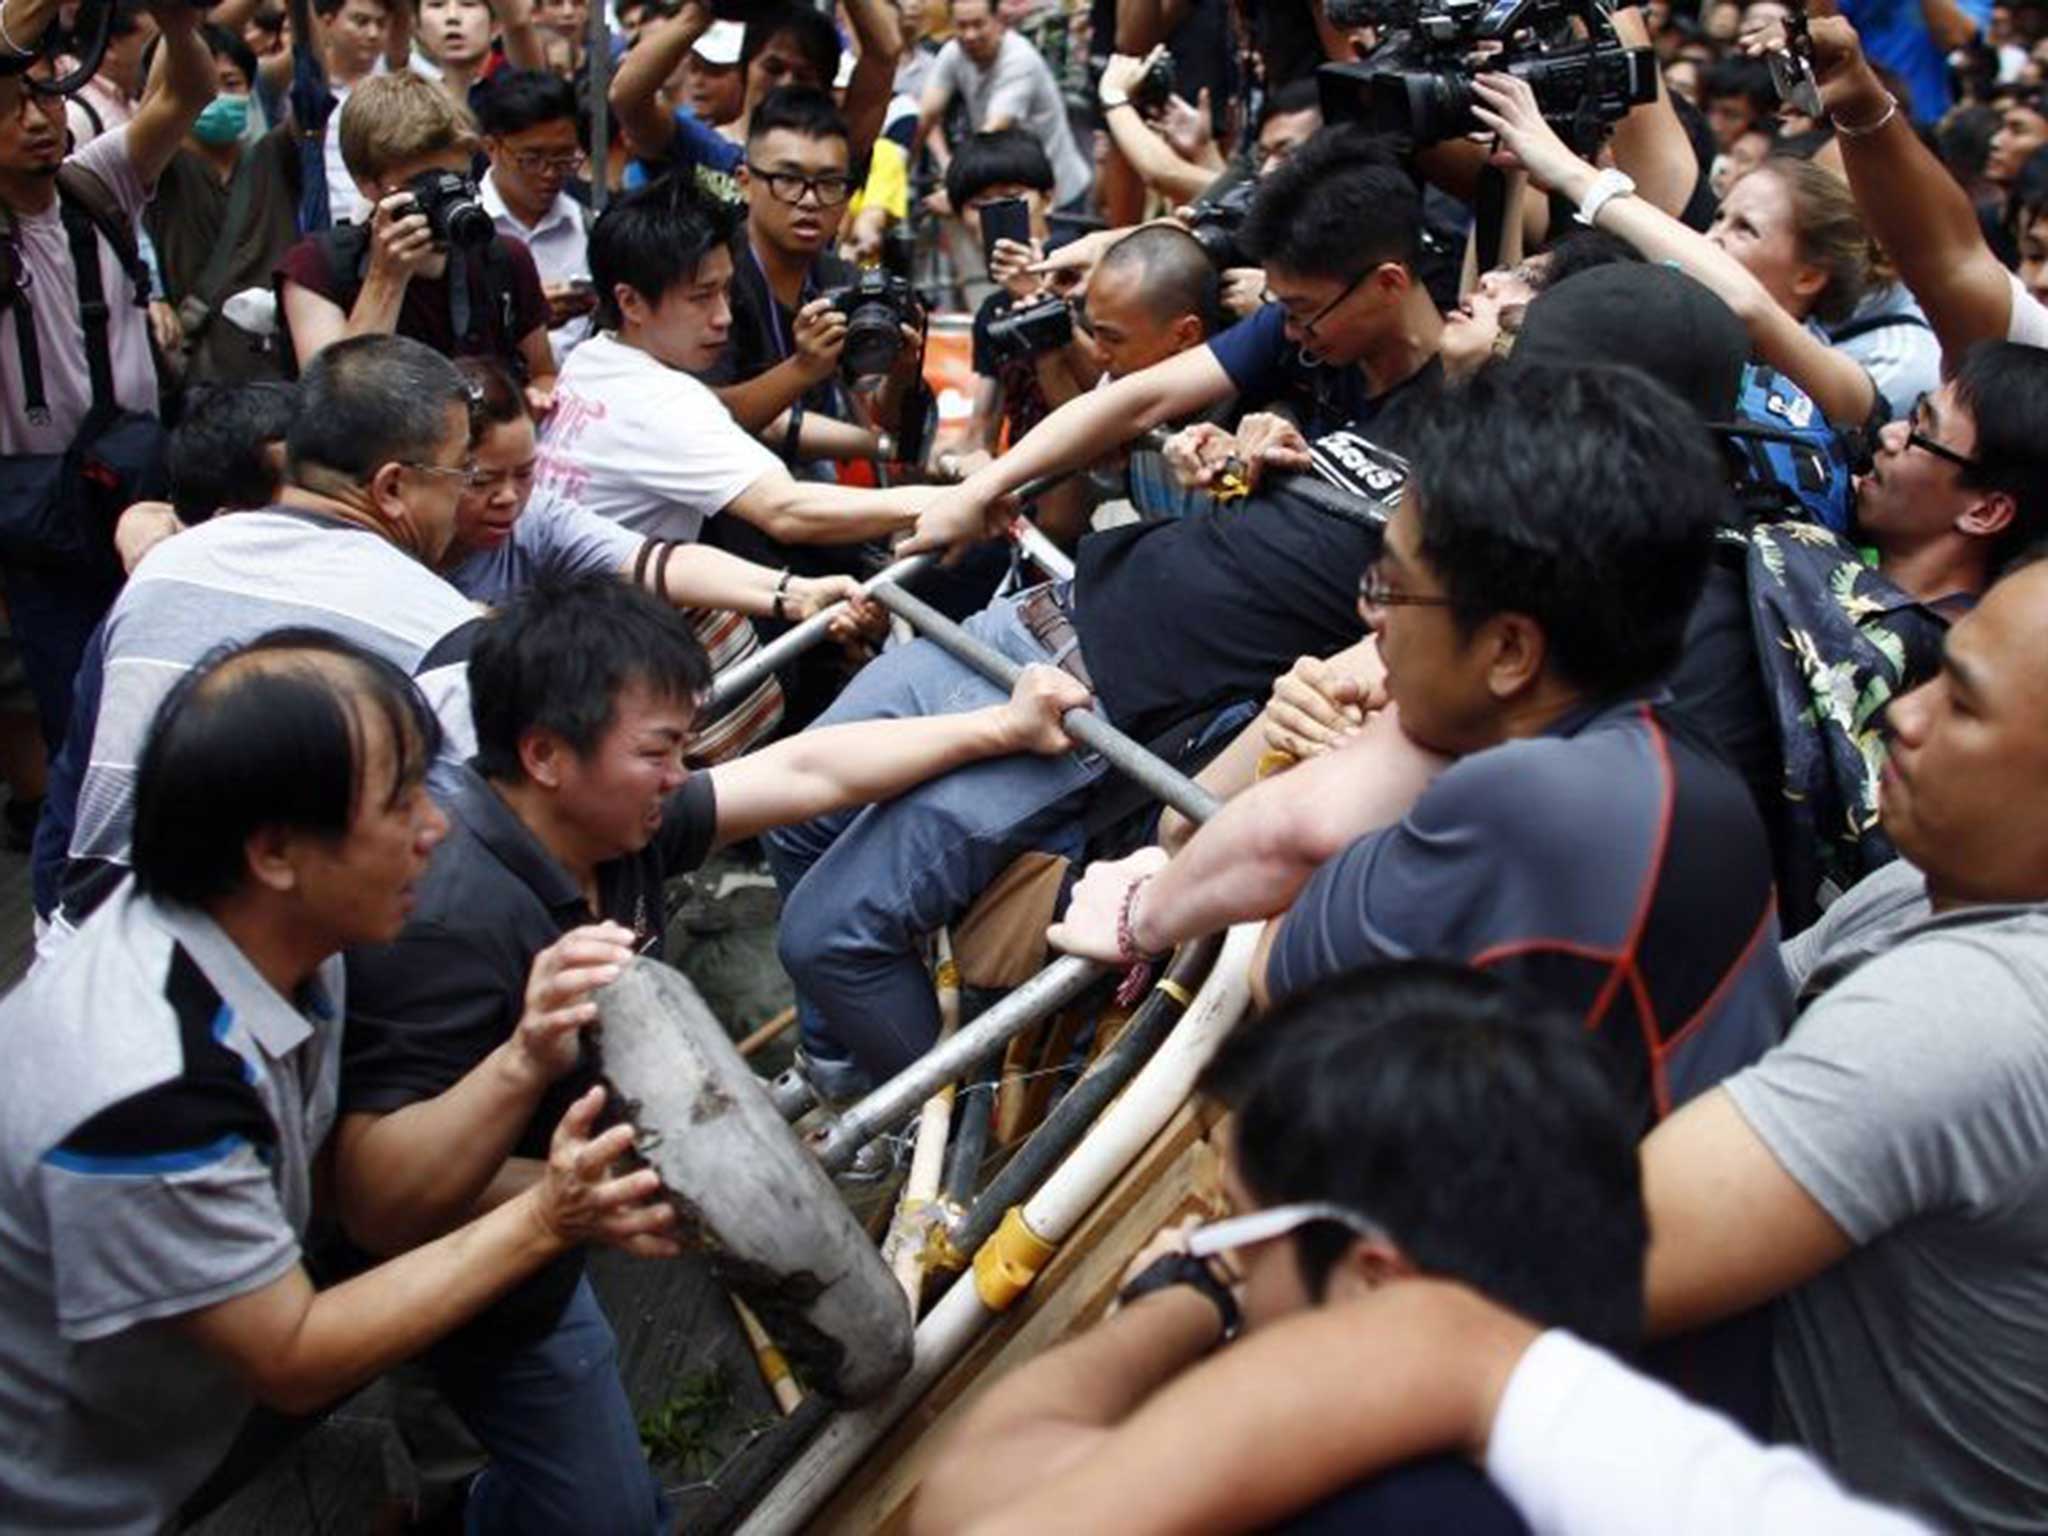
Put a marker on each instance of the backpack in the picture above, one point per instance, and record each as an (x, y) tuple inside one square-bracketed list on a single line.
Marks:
[(1789, 461)]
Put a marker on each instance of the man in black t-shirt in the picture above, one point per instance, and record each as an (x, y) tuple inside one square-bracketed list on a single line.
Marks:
[(461, 1053)]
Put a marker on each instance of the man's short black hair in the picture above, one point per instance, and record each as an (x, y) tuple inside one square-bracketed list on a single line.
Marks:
[(368, 401), (653, 239), (1176, 276), (1585, 498), (518, 99), (2004, 387), (816, 38), (799, 109), (224, 43), (557, 656), (1475, 1122), (1581, 251), (267, 735), (1007, 157), (219, 452), (1338, 206), (1294, 97)]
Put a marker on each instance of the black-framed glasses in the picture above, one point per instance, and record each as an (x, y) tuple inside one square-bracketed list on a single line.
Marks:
[(1915, 438), (790, 186), (1375, 591), (1308, 326), (535, 162)]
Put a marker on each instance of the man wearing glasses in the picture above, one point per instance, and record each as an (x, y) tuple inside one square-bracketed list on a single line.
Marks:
[(529, 128)]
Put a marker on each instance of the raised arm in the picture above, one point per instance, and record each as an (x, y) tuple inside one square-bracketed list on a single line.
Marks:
[(25, 21), (823, 770), (299, 1349), (1837, 382), (1914, 208), (878, 32), (182, 82), (1148, 152), (636, 89), (523, 48)]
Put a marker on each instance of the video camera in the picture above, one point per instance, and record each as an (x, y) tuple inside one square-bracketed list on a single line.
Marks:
[(1044, 325), (1418, 83)]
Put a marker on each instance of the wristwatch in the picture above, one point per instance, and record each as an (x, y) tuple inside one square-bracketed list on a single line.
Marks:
[(1171, 1269), (1607, 186)]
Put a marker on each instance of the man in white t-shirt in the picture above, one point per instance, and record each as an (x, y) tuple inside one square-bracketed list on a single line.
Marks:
[(1006, 85), (633, 437)]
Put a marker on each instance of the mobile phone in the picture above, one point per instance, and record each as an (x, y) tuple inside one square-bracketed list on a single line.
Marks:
[(1005, 218), (1792, 66)]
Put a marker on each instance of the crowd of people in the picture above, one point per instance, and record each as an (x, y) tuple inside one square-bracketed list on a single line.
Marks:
[(1573, 494)]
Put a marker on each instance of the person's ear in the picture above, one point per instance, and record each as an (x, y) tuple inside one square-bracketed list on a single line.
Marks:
[(1392, 278), (1990, 515), (1187, 333), (1365, 1266), (543, 757), (268, 853), (1516, 649), (632, 305), (1808, 282), (386, 491)]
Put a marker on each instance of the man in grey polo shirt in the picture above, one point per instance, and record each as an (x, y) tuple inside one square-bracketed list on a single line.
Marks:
[(174, 1075), (1884, 1172)]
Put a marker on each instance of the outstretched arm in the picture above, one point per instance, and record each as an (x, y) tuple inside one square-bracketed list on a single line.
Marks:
[(819, 771), (878, 32)]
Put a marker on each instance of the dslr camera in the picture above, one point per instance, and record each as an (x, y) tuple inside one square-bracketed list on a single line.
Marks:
[(876, 304), (1418, 83), (455, 213), (1028, 330)]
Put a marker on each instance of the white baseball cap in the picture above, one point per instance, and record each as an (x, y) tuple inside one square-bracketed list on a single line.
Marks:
[(720, 43)]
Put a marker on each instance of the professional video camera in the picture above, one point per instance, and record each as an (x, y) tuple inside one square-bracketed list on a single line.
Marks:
[(877, 304), (1043, 325), (454, 209), (1418, 83)]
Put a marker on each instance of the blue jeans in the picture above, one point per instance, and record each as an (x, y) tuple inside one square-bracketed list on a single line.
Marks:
[(565, 1451), (861, 888)]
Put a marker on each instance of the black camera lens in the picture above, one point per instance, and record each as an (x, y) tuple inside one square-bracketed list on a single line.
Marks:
[(453, 208), (872, 340)]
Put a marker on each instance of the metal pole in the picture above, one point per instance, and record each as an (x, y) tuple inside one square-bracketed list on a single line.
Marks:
[(598, 58), (1051, 989), (1084, 725)]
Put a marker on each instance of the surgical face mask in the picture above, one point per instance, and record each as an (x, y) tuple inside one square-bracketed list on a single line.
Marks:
[(222, 121)]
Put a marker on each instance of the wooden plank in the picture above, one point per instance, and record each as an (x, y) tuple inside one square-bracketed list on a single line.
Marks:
[(1179, 1174)]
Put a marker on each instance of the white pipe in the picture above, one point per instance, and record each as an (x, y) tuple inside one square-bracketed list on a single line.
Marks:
[(1043, 553), (1124, 1131), (904, 1246)]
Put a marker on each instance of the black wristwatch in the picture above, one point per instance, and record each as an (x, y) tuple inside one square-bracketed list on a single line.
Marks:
[(1171, 1269)]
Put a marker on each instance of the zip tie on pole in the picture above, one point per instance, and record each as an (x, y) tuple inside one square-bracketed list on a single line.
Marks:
[(1009, 1261)]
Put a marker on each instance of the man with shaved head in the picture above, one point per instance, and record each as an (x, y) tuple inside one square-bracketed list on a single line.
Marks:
[(173, 1078)]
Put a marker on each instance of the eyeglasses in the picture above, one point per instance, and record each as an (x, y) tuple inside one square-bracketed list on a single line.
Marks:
[(1375, 591), (464, 475), (536, 162), (1308, 326), (790, 186), (1235, 1232), (1915, 438)]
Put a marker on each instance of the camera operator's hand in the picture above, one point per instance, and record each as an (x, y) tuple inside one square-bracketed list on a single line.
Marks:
[(1317, 705), (1067, 270), (566, 301), (1189, 129), (1088, 928), (1038, 704), (1244, 291), (1010, 267), (558, 1006), (1848, 85), (1507, 105), (820, 335), (578, 1200), (1121, 76), (1268, 441), (401, 241)]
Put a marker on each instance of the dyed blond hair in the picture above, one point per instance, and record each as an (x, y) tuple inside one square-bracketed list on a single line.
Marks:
[(390, 119)]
